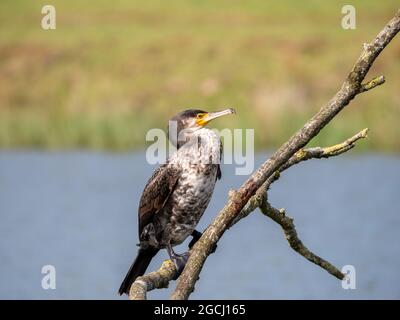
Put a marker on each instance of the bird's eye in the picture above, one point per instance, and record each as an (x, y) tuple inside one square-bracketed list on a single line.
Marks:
[(200, 115)]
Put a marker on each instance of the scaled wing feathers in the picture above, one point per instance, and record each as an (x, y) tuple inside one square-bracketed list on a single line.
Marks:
[(156, 193)]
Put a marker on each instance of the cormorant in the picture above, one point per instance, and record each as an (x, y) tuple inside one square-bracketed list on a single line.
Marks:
[(178, 192)]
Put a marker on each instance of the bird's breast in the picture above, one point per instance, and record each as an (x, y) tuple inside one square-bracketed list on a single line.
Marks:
[(189, 201), (194, 189), (197, 163)]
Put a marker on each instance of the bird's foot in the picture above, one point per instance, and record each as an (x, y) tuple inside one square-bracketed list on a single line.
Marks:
[(180, 261)]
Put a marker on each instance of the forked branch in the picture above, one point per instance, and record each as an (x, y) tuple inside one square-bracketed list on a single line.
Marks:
[(252, 193), (352, 86), (167, 272)]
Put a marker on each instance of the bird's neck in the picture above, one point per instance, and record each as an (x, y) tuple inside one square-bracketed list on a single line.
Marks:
[(204, 147)]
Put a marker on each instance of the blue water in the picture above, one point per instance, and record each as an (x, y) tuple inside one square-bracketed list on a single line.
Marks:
[(77, 211)]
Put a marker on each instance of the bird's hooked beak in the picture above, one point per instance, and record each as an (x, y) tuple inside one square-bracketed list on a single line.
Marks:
[(205, 118)]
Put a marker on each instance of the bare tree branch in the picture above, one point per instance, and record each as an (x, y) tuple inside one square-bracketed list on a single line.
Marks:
[(289, 229), (372, 84), (300, 156), (287, 224), (319, 153), (153, 280), (253, 193), (167, 272), (350, 88)]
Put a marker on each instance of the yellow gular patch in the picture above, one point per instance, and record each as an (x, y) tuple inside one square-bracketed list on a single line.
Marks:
[(200, 119)]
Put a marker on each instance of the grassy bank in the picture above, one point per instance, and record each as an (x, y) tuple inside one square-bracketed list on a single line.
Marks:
[(113, 70)]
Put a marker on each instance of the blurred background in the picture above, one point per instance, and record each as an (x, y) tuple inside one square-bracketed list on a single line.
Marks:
[(76, 103)]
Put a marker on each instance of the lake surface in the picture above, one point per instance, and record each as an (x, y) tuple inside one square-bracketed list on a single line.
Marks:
[(77, 212)]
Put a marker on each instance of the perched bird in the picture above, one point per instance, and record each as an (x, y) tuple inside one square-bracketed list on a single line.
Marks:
[(178, 192)]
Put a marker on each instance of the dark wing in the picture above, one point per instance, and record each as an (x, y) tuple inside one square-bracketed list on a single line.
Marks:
[(156, 193)]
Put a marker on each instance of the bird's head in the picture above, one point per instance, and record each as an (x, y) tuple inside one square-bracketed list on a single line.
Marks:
[(188, 121)]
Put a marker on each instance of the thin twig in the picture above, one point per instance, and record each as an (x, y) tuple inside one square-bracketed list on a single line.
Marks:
[(372, 84), (289, 229), (300, 156)]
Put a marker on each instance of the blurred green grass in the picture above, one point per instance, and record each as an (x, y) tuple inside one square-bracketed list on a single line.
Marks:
[(114, 69)]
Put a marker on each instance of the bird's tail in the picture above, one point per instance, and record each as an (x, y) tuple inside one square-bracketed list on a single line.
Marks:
[(137, 268)]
